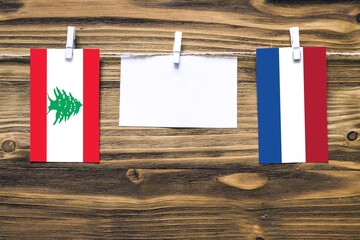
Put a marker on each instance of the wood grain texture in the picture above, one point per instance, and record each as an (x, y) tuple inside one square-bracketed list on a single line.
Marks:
[(168, 183)]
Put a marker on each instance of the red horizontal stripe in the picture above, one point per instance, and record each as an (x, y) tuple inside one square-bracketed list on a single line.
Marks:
[(315, 85), (91, 105), (38, 105)]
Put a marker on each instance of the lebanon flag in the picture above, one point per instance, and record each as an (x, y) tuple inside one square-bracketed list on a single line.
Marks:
[(292, 116), (64, 106)]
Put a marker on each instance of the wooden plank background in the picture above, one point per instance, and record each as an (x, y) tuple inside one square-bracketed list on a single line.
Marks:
[(180, 183)]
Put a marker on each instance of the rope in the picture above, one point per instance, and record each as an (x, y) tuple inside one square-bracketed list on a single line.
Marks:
[(128, 54)]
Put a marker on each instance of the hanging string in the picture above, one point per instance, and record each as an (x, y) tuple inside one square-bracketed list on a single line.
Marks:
[(182, 53), (145, 54)]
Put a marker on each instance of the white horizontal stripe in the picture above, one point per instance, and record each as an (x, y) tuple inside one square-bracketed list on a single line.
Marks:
[(292, 107), (65, 139)]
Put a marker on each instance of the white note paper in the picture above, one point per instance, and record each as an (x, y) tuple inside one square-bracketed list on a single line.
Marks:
[(200, 92)]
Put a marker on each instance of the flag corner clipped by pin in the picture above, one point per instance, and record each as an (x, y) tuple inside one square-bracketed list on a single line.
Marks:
[(64, 105), (292, 105)]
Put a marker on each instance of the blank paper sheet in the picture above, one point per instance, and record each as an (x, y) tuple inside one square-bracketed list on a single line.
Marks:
[(200, 92)]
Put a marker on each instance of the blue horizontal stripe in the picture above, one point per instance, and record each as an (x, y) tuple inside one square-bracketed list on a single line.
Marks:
[(268, 92)]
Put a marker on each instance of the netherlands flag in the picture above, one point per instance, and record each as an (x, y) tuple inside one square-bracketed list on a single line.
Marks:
[(292, 116), (64, 106)]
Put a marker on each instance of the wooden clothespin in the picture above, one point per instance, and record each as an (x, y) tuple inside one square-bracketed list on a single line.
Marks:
[(177, 47), (295, 42), (70, 43)]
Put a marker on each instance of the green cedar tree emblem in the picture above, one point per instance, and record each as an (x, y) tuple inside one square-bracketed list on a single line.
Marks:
[(64, 104)]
